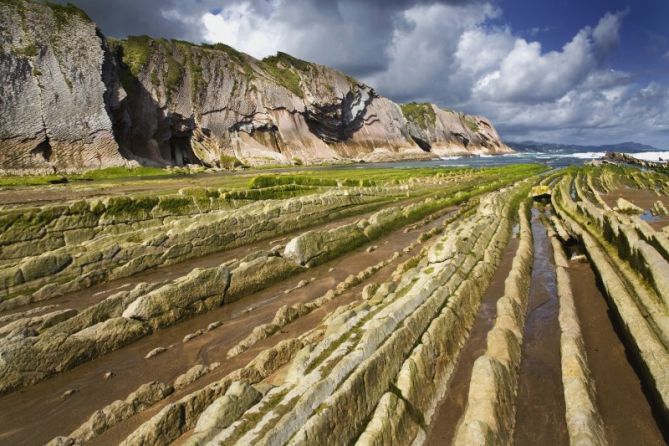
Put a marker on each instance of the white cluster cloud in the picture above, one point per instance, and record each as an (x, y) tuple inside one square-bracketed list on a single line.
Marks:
[(240, 28), (450, 53), (524, 74)]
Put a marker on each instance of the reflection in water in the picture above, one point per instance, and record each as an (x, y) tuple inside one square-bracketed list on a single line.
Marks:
[(540, 414)]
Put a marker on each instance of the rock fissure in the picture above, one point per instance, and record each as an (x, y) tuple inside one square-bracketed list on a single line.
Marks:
[(123, 97)]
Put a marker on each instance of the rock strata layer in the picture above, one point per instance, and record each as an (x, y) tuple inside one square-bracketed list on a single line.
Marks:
[(72, 99)]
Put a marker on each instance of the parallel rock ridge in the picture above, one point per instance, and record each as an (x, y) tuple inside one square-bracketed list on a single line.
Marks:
[(72, 99)]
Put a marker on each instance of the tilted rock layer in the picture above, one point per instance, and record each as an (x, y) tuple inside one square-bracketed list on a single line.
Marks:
[(71, 99), (56, 80)]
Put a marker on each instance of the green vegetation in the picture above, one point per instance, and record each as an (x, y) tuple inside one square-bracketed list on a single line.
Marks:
[(361, 182), (237, 57), (194, 63), (250, 418), (230, 162), (263, 181), (175, 72), (232, 53), (471, 124), (289, 60), (421, 114), (119, 206), (27, 51), (269, 193), (283, 69), (203, 196), (110, 173), (63, 13), (136, 53), (323, 355), (459, 184), (155, 79), (17, 3), (411, 263), (175, 205), (122, 172), (34, 218)]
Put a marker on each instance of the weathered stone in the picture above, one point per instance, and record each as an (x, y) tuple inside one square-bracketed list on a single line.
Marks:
[(214, 325), (490, 412), (200, 289), (30, 359), (257, 273), (176, 418), (101, 420), (223, 412), (659, 208), (625, 206), (314, 247), (155, 352), (584, 423), (191, 336), (63, 78), (190, 376)]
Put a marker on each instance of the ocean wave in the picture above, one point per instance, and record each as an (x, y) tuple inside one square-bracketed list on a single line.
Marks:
[(584, 155), (646, 156), (651, 156)]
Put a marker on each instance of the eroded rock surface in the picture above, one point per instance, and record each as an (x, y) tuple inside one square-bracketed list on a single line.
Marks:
[(73, 99)]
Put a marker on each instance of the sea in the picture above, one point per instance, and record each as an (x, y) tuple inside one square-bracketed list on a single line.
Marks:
[(553, 160)]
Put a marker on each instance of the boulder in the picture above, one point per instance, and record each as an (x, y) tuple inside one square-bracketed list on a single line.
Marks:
[(199, 290), (627, 207), (223, 412)]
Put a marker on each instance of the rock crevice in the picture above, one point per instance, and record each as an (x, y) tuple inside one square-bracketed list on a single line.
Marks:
[(100, 102)]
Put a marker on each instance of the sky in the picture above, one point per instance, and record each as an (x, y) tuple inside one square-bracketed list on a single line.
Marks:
[(566, 71)]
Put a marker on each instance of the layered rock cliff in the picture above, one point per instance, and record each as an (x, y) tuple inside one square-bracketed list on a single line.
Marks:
[(56, 80), (72, 99)]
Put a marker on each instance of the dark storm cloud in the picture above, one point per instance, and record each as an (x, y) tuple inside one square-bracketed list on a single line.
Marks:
[(120, 18), (351, 35)]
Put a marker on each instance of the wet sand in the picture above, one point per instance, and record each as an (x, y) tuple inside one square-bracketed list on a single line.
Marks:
[(540, 404), (44, 413), (645, 199), (627, 414), (450, 409), (82, 299)]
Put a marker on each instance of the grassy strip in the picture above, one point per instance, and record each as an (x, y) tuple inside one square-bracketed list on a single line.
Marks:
[(110, 173), (326, 177), (420, 114)]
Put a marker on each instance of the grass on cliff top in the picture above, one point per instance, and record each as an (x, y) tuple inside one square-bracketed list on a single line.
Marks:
[(420, 113), (136, 52), (64, 12), (282, 68), (237, 57)]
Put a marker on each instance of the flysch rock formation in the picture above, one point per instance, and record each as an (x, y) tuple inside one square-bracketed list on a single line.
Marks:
[(630, 258), (72, 99), (57, 90), (397, 334)]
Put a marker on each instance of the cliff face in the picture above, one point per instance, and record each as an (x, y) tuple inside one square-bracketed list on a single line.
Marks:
[(55, 79), (70, 99), (447, 132)]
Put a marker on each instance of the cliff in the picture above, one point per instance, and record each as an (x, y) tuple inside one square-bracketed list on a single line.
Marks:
[(72, 99), (56, 79)]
